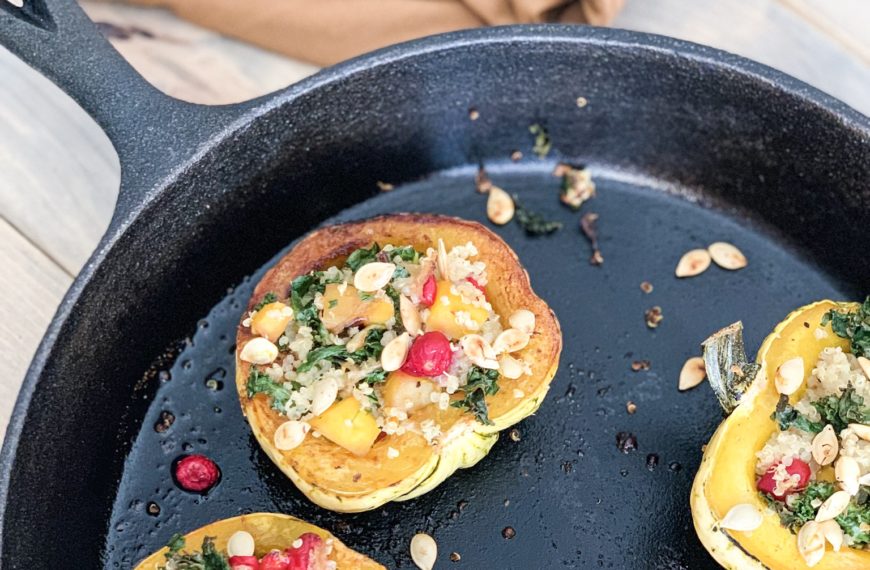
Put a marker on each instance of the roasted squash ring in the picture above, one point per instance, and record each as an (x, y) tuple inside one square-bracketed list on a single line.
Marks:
[(341, 481), (727, 476), (270, 531)]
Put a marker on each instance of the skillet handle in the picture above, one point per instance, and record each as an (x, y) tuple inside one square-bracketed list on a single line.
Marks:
[(152, 133)]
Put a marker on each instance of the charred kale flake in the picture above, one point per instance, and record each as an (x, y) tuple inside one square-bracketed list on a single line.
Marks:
[(853, 326), (260, 383)]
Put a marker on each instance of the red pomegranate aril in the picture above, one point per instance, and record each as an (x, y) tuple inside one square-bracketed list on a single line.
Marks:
[(477, 285), (196, 473), (430, 355), (311, 554), (767, 484), (427, 296), (244, 563), (275, 560)]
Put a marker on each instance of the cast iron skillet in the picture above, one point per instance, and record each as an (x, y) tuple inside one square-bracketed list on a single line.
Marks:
[(689, 145)]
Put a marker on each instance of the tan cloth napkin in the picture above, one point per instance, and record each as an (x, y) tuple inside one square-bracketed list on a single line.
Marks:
[(327, 31)]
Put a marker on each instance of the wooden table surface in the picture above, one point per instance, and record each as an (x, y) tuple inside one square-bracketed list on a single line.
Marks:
[(59, 173)]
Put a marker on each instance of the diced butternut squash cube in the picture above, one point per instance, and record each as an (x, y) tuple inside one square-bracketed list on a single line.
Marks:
[(406, 392), (346, 424), (271, 320), (342, 310), (442, 314)]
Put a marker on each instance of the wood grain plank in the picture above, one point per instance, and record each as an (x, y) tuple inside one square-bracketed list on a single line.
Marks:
[(31, 286), (60, 174), (192, 63), (845, 21), (763, 30)]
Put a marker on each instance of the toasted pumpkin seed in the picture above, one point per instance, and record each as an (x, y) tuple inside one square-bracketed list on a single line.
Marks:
[(790, 376), (833, 533), (410, 316), (324, 393), (373, 276), (847, 472), (861, 431), (510, 367), (479, 351), (833, 506), (290, 435), (743, 517), (811, 543), (825, 446), (499, 206), (523, 320), (442, 259), (394, 354), (241, 543), (727, 256), (693, 263), (864, 363), (424, 551), (259, 351), (511, 340), (692, 374)]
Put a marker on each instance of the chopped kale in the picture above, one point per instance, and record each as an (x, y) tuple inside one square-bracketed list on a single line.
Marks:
[(376, 376), (212, 559), (401, 272), (542, 140), (303, 289), (854, 326), (786, 416), (362, 256), (371, 349), (365, 296), (801, 509), (333, 303), (406, 253), (394, 296), (855, 522), (840, 411), (267, 298), (207, 559), (484, 379), (333, 353), (481, 383), (260, 383), (534, 223), (175, 544)]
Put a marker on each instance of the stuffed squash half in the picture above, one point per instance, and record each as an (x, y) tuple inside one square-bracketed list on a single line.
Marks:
[(378, 357), (784, 483), (259, 541)]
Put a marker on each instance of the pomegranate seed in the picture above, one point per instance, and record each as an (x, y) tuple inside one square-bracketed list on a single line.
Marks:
[(311, 554), (276, 560), (196, 473), (477, 285), (427, 296), (766, 483), (244, 563), (430, 355)]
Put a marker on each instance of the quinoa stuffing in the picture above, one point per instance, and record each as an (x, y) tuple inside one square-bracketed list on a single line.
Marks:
[(816, 467), (372, 342)]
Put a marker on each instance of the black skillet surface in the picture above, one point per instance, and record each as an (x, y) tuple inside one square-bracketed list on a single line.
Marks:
[(689, 146)]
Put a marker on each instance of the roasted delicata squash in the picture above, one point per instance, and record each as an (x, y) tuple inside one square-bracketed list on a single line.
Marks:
[(378, 357), (783, 483), (258, 540)]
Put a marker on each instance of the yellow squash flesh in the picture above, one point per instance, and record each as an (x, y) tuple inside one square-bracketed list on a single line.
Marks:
[(726, 476), (270, 531), (339, 480)]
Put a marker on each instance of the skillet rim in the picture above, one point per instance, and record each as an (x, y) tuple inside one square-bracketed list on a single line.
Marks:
[(129, 211)]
